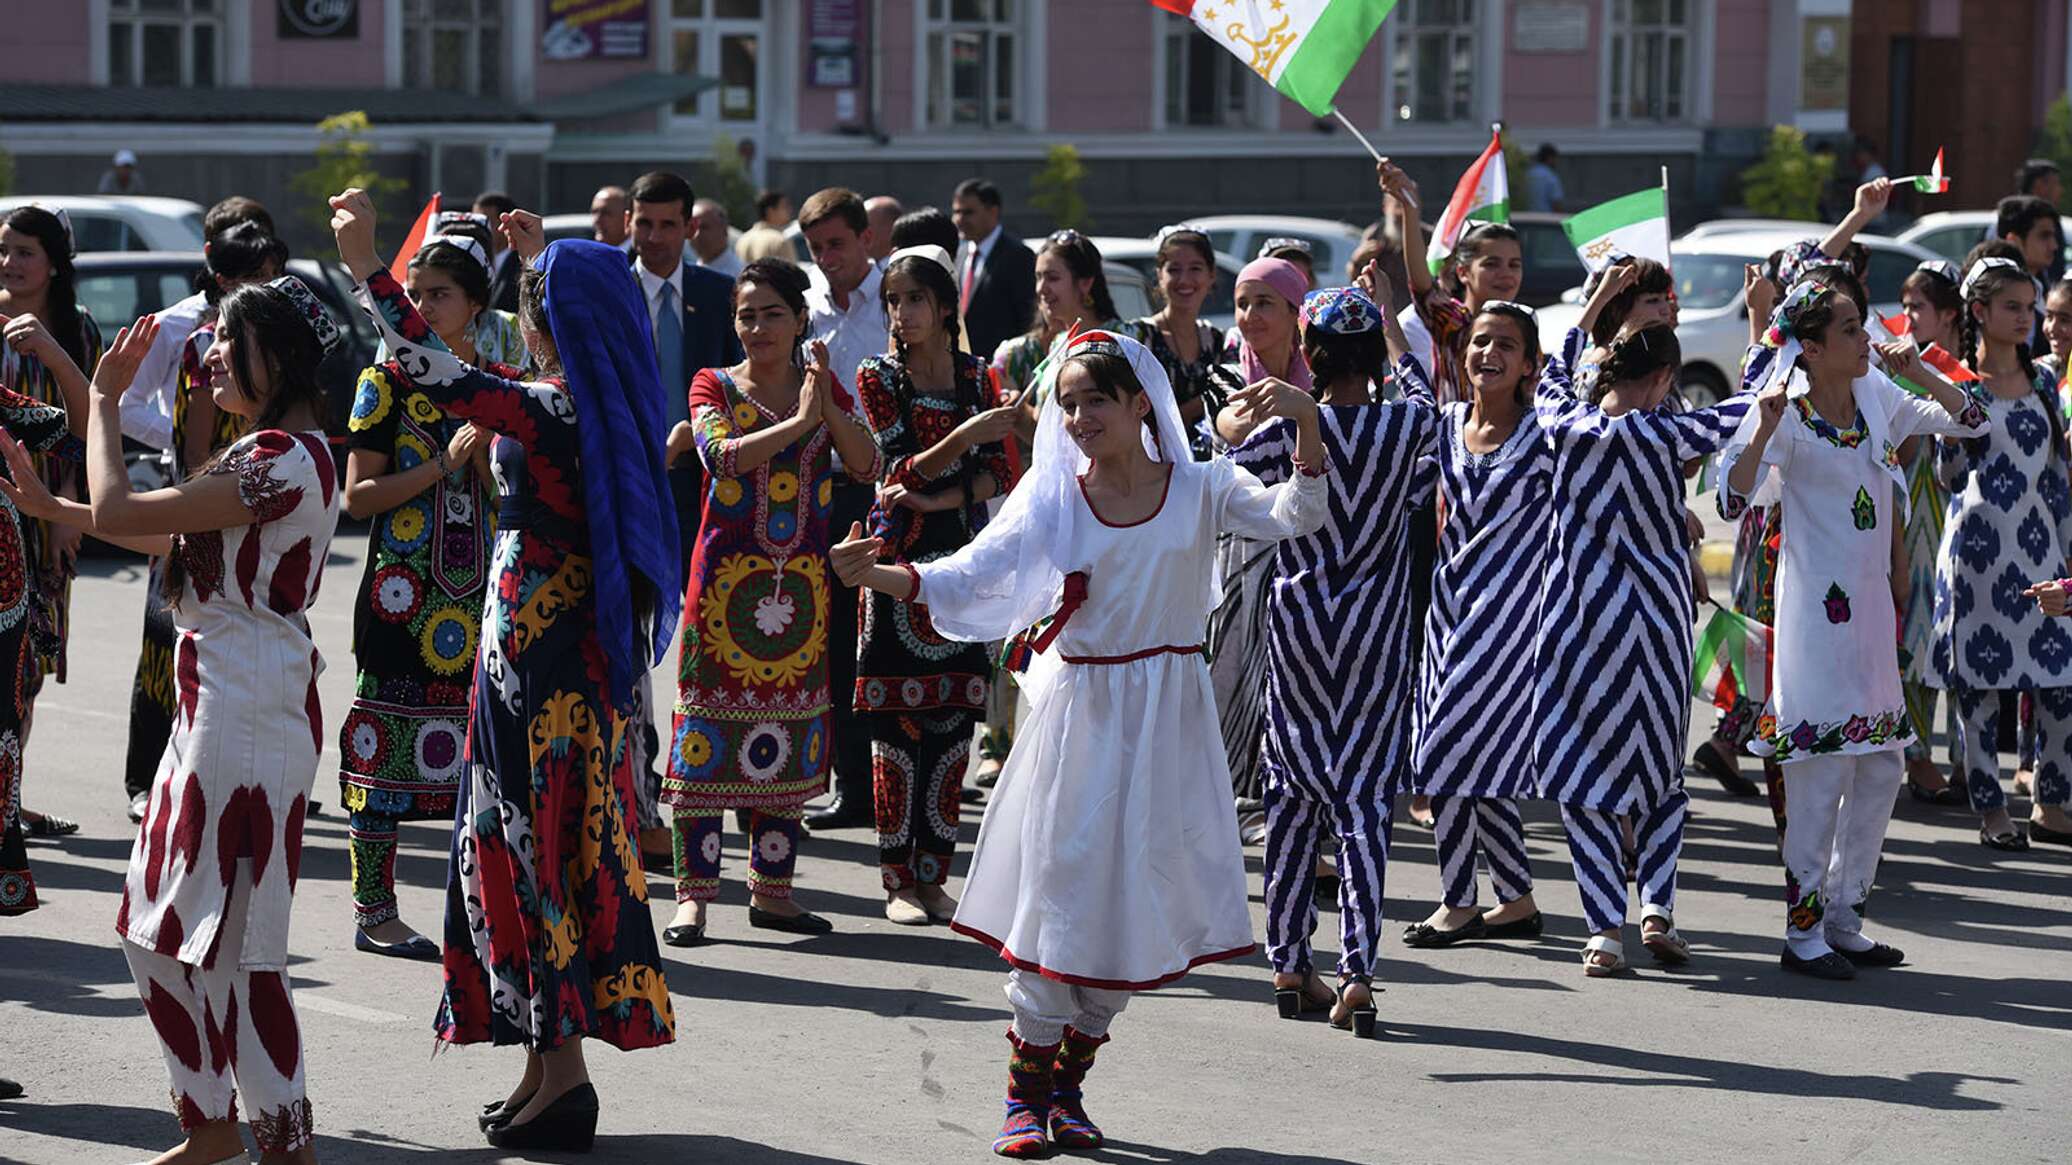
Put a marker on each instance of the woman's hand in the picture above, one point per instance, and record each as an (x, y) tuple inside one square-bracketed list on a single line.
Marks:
[(682, 439), (853, 557), (919, 502), (1903, 361), (1395, 183), (1376, 284), (1872, 197), (466, 440), (1274, 397), (27, 335), (2051, 597), (1769, 406), (26, 491), (820, 382), (352, 224), (988, 427), (118, 367), (523, 232), (1758, 292)]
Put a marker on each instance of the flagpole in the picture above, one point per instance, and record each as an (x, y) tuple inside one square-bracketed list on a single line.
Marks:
[(1372, 152), (1666, 221)]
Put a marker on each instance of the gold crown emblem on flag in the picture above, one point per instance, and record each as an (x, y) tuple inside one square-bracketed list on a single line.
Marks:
[(1266, 47)]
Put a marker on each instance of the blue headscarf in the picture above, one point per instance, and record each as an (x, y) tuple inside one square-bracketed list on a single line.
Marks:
[(601, 329)]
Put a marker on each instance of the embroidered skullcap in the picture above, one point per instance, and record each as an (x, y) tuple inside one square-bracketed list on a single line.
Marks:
[(1942, 269), (312, 310), (1341, 311), (1989, 263), (928, 251)]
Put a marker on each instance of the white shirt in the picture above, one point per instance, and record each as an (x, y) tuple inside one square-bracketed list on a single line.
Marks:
[(147, 409), (651, 288), (853, 335), (973, 257), (727, 263)]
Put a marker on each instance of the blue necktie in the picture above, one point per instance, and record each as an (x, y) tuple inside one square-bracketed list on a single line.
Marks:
[(676, 405)]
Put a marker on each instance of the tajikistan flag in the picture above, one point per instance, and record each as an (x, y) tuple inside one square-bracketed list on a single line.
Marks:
[(1482, 195), (1304, 48), (1635, 224), (1935, 181)]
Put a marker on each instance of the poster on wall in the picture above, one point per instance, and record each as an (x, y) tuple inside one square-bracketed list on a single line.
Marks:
[(317, 19), (593, 30), (1824, 67), (832, 30)]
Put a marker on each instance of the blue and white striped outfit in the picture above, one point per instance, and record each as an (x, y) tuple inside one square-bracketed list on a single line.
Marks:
[(1474, 733), (1338, 672), (1613, 659)]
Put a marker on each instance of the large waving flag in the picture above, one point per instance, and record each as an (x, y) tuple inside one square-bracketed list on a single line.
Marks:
[(1304, 48), (1483, 194), (1634, 224)]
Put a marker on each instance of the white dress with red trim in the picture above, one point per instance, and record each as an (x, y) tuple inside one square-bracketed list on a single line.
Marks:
[(1109, 854)]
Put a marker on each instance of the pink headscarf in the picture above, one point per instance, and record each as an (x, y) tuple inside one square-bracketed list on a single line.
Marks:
[(1288, 282)]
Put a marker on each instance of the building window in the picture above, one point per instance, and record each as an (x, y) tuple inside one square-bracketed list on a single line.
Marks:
[(454, 45), (1433, 67), (163, 42), (721, 39), (1205, 85), (1651, 60), (973, 72)]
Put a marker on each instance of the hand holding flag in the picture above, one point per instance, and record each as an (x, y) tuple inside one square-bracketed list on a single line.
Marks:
[(1933, 182)]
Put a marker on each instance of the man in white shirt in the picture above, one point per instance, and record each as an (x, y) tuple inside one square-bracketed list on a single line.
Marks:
[(709, 241), (848, 315)]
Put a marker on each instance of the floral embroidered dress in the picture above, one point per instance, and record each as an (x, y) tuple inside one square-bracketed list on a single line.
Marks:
[(39, 427), (1835, 681), (548, 935), (752, 683), (418, 615), (50, 602), (247, 730), (903, 665)]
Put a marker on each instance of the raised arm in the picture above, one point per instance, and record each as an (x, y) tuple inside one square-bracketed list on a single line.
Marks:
[(1871, 199), (1400, 196), (1947, 411)]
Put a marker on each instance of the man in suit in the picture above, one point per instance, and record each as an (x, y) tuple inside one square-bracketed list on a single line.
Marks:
[(996, 273), (503, 262), (692, 310)]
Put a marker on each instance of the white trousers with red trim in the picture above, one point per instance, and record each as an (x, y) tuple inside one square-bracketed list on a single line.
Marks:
[(1042, 1008), (224, 1031)]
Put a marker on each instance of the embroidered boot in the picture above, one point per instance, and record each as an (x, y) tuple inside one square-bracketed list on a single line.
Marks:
[(1029, 1069), (1070, 1127)]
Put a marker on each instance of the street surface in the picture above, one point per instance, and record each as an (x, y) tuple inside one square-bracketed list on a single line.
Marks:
[(883, 1044)]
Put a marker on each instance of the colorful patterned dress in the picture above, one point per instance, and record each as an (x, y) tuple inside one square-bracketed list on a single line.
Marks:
[(50, 602), (1205, 379), (922, 692), (416, 622), (42, 428), (548, 935)]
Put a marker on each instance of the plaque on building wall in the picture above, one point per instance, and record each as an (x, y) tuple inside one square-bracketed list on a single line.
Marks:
[(591, 30), (1541, 26), (832, 30), (1824, 64), (317, 19)]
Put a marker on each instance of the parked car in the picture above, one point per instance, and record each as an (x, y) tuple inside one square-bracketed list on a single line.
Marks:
[(1129, 289), (1141, 256), (1738, 226), (1331, 242), (566, 226), (119, 287), (1952, 234), (1712, 326), (1551, 263), (123, 223)]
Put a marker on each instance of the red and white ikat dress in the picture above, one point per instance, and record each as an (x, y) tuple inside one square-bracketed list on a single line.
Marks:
[(247, 730)]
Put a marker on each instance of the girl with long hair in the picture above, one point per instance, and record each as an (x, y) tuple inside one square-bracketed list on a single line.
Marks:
[(1189, 348), (206, 901), (941, 427), (752, 722), (548, 939)]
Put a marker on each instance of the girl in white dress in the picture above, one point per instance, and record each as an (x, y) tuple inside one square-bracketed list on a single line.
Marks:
[(1825, 445), (1108, 861)]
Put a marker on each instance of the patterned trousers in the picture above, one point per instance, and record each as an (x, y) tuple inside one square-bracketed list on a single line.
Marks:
[(1978, 735), (1489, 826), (1840, 806), (1598, 849), (1297, 818), (773, 852), (917, 777), (218, 1025), (371, 842), (1042, 1008)]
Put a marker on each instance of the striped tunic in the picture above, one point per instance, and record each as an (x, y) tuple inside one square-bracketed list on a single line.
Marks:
[(1613, 659), (1338, 673), (1474, 711)]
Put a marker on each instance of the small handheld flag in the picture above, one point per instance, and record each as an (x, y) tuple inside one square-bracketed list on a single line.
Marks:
[(1635, 224), (400, 269), (1933, 182), (1483, 194)]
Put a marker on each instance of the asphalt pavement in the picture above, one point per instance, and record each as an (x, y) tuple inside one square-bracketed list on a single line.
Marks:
[(884, 1044)]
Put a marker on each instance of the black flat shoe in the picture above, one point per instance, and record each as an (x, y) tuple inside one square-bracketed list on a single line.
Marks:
[(661, 865), (1427, 936), (568, 1125), (49, 825), (9, 1090), (1949, 795), (417, 947), (1530, 926), (839, 814), (496, 1112), (1722, 769), (2041, 832), (689, 935), (803, 923), (1879, 955), (2011, 842), (1827, 966)]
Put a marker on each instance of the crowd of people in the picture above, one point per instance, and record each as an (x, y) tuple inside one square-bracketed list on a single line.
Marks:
[(1175, 587)]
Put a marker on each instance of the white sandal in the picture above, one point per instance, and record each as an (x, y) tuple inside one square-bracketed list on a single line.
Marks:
[(1666, 945), (1610, 946)]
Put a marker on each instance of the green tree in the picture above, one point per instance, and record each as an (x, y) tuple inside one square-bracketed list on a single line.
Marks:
[(2054, 141), (1786, 181), (731, 185), (1055, 188), (343, 158)]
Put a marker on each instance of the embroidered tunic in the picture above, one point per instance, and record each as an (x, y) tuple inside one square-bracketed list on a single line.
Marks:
[(902, 663), (1834, 686), (1612, 662), (2010, 524), (50, 602), (247, 728)]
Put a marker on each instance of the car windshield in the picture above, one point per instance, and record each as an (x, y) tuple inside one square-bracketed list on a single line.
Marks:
[(1706, 282)]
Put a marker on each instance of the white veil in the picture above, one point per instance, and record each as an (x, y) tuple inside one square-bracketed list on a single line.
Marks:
[(1033, 534)]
